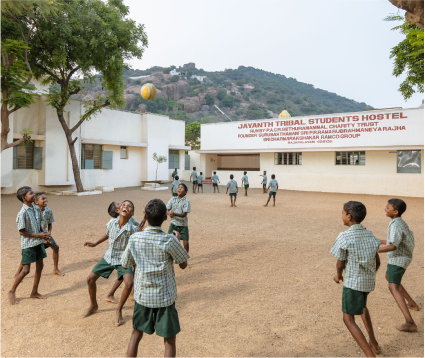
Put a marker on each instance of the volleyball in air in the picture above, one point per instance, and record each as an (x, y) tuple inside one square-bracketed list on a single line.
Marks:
[(148, 91)]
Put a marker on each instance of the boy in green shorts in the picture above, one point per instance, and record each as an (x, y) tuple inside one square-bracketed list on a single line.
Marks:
[(177, 208), (200, 185), (153, 252), (32, 238), (245, 183), (399, 246), (356, 250), (194, 179), (264, 182), (232, 188), (118, 231), (174, 185), (214, 179), (273, 186)]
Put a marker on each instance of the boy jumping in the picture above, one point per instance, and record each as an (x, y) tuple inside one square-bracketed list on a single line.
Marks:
[(356, 250), (178, 208), (245, 182), (399, 246), (194, 179), (232, 185), (273, 186), (32, 238), (118, 231), (214, 179), (153, 253)]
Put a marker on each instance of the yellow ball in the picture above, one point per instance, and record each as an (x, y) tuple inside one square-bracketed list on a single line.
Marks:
[(148, 91)]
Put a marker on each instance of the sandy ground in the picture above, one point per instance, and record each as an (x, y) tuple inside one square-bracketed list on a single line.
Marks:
[(259, 282)]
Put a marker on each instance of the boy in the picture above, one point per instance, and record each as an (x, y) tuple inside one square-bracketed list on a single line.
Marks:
[(233, 186), (194, 179), (118, 231), (273, 186), (153, 253), (214, 179), (47, 218), (399, 245), (178, 208), (174, 185), (245, 183), (264, 182), (200, 178), (174, 173), (356, 250), (32, 238)]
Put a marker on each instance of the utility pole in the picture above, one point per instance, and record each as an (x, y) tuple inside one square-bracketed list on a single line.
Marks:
[(224, 114)]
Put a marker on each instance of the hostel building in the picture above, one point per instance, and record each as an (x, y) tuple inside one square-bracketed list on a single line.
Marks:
[(373, 152)]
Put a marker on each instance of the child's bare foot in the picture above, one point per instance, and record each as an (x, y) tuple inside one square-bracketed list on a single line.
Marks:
[(57, 272), (12, 298), (231, 206), (265, 206), (274, 205), (407, 327), (414, 307), (120, 319), (374, 347), (90, 310), (111, 299), (37, 295), (234, 205)]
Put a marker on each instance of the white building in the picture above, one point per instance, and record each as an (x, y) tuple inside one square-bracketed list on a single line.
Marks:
[(115, 148), (373, 152)]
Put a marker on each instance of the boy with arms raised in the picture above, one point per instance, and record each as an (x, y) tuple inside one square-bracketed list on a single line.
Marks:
[(214, 179), (153, 253), (174, 185), (177, 208), (32, 238), (118, 231), (264, 182), (194, 179), (232, 185), (399, 246), (200, 185), (356, 250), (245, 182), (273, 186)]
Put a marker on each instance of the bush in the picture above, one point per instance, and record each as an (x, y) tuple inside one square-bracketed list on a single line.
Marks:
[(228, 101), (175, 78), (221, 94), (240, 82), (209, 99), (166, 71)]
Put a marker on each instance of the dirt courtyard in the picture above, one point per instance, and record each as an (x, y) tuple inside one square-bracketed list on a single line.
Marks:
[(259, 281)]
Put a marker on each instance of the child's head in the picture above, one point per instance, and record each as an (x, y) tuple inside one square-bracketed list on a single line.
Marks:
[(353, 211), (194, 168), (215, 172), (126, 209), (182, 190), (273, 176), (156, 212), (175, 169), (40, 200), (231, 176), (176, 177), (264, 172), (245, 173), (200, 173), (25, 193), (395, 207), (113, 209)]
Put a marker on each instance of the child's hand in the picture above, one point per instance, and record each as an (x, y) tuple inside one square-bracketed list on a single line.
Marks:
[(176, 234), (142, 225), (43, 235), (89, 244), (48, 240), (171, 213), (337, 279)]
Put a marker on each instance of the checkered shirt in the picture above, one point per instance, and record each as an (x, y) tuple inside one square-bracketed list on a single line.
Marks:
[(273, 185), (153, 252), (232, 185), (194, 175), (245, 180), (46, 217), (29, 219), (264, 179), (175, 184), (133, 222), (401, 237), (358, 248), (179, 206), (118, 240), (214, 178), (200, 178)]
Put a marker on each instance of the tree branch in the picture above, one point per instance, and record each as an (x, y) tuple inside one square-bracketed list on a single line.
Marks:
[(50, 73), (88, 114), (72, 72), (74, 140), (13, 144)]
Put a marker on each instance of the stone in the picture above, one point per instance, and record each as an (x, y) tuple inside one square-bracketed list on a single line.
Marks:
[(190, 104), (205, 108), (141, 109), (176, 90), (105, 189)]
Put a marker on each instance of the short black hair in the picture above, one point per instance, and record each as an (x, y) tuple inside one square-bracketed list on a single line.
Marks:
[(184, 186), (200, 173), (356, 209), (398, 205), (215, 172), (112, 210), (194, 168), (175, 168), (176, 177), (273, 176), (245, 172), (22, 192), (129, 201), (156, 212), (37, 195), (231, 176), (264, 171)]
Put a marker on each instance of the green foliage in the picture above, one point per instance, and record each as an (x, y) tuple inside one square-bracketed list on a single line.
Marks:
[(159, 158), (408, 57), (227, 101), (32, 8), (170, 104), (182, 116), (254, 111), (209, 99), (175, 78), (222, 92), (240, 82), (189, 73), (192, 135), (166, 71)]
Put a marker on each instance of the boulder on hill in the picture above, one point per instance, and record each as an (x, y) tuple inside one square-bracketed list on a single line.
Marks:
[(141, 109), (210, 90), (190, 104), (174, 91), (248, 87)]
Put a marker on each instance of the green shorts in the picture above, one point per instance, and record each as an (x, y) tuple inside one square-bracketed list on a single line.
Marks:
[(200, 185), (233, 194), (175, 194), (215, 184), (104, 269), (353, 302), (33, 254), (272, 193), (53, 242), (163, 320), (182, 230), (246, 186), (195, 182), (395, 274)]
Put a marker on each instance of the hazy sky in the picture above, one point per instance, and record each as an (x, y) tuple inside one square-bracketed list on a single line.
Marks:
[(341, 46)]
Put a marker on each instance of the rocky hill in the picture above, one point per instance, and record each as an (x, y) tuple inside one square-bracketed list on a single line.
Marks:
[(242, 94)]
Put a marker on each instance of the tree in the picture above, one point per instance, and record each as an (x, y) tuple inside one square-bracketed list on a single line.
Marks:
[(209, 99), (95, 37), (159, 159), (192, 135), (175, 78), (228, 101), (222, 92), (408, 57)]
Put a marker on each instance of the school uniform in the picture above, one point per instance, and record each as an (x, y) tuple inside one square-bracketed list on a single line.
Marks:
[(402, 238), (358, 248), (245, 181), (200, 178), (214, 179), (194, 176), (264, 181), (273, 187), (232, 185), (47, 218), (32, 248), (179, 206), (174, 185), (155, 291)]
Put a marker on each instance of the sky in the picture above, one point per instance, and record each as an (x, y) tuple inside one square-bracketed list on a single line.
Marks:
[(340, 46)]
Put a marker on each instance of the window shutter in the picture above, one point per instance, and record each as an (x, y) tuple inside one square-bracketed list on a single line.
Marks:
[(187, 162), (15, 157), (88, 164), (107, 159), (38, 157)]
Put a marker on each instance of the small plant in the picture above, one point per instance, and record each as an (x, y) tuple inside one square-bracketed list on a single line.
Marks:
[(159, 159)]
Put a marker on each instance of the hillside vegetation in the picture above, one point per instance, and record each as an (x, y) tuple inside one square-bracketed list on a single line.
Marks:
[(244, 93)]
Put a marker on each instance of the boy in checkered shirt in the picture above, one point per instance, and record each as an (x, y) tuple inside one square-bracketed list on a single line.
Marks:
[(153, 252), (399, 246), (356, 250)]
